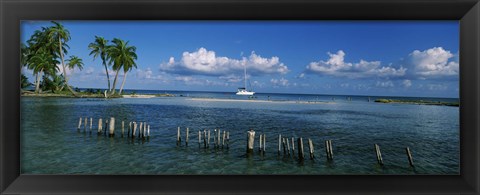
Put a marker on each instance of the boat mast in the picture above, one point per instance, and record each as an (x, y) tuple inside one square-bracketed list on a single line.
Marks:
[(245, 68)]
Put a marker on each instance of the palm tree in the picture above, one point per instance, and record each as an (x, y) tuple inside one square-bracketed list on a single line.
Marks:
[(73, 62), (60, 33), (42, 61), (121, 54), (99, 48), (126, 68)]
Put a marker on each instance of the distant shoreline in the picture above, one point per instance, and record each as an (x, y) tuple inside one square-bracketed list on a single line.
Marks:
[(259, 101)]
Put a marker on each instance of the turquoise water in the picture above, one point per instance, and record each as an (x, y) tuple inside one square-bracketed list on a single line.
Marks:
[(51, 143)]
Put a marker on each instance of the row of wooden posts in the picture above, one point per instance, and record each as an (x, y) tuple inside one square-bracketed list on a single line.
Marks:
[(219, 140), (142, 133), (287, 145), (284, 144)]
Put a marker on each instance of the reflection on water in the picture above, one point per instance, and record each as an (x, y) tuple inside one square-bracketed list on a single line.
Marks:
[(51, 143)]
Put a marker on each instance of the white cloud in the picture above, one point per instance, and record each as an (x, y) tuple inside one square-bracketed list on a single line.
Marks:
[(336, 66), (231, 78), (384, 84), (432, 63), (204, 62), (89, 71), (280, 82), (437, 87), (407, 83)]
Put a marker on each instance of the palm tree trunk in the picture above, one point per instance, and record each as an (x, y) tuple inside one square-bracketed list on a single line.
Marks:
[(37, 85), (123, 83), (106, 71), (64, 71), (115, 82)]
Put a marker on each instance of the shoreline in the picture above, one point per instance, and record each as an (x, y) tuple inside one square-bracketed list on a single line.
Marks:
[(258, 101)]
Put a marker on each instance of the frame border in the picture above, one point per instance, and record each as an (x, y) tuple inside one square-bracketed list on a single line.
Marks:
[(466, 11)]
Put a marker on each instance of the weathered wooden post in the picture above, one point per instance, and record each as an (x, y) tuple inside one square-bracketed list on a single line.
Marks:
[(228, 139), (264, 143), (79, 123), (215, 138), (409, 155), (208, 139), (144, 134), (186, 138), (218, 138), (134, 129), (250, 141), (293, 147), (85, 126), (310, 147), (91, 121), (204, 139), (301, 156), (112, 126), (260, 143), (379, 154), (288, 146), (123, 128), (99, 126), (178, 137), (140, 130), (148, 132), (284, 146), (279, 142), (223, 140), (329, 149)]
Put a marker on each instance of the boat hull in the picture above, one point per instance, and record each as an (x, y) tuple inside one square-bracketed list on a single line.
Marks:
[(245, 93)]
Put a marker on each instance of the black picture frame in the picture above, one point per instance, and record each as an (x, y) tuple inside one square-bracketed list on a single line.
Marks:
[(466, 11)]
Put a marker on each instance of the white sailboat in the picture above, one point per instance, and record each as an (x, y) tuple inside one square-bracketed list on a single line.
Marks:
[(243, 90)]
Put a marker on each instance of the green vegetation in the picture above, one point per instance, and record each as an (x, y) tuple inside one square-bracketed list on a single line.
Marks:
[(44, 54), (422, 102)]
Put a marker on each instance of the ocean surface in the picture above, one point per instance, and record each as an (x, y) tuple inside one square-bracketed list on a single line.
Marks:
[(51, 143)]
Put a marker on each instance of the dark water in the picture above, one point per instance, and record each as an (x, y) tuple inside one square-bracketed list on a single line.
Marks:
[(51, 143)]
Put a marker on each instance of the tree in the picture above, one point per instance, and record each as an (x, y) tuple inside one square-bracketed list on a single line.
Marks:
[(73, 62), (60, 33), (42, 61), (99, 48), (121, 54)]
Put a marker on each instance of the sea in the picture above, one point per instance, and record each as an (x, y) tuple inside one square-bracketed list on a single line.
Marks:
[(51, 142)]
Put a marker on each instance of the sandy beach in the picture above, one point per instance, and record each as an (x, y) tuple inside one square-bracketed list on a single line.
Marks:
[(138, 96), (259, 101)]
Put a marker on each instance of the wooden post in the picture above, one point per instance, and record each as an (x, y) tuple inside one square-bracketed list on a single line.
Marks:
[(140, 130), (99, 126), (144, 135), (85, 126), (186, 138), (123, 128), (379, 154), (260, 143), (178, 137), (215, 138), (288, 146), (112, 126), (264, 143), (228, 139), (331, 148), (409, 155), (148, 132), (91, 121), (301, 156), (223, 140), (310, 146), (208, 139), (134, 129), (250, 141), (79, 123), (293, 147), (279, 142), (204, 138), (218, 137), (284, 147)]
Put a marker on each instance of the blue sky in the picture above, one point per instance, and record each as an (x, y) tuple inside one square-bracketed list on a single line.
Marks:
[(386, 58)]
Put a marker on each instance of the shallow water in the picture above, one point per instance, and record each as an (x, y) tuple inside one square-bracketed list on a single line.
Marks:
[(51, 143)]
